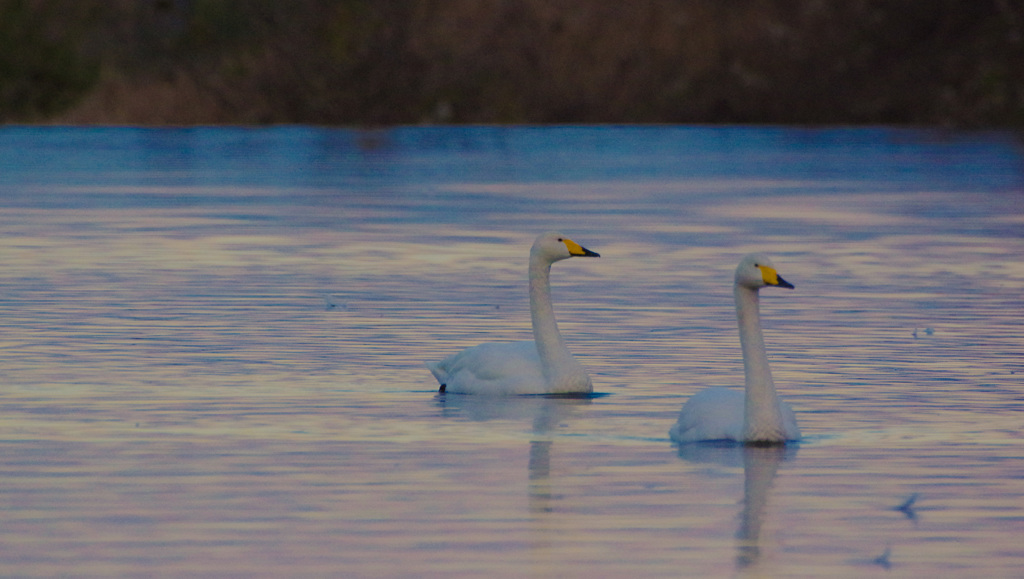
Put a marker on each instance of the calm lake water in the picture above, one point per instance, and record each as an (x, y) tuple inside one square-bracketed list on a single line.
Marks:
[(213, 345)]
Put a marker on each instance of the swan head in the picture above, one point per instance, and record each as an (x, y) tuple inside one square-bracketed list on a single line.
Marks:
[(756, 271), (553, 246)]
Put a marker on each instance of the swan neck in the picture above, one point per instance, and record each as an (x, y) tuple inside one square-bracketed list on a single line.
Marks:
[(545, 328), (762, 412)]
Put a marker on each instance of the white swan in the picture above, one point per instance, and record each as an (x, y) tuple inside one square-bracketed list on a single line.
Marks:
[(755, 415), (543, 365)]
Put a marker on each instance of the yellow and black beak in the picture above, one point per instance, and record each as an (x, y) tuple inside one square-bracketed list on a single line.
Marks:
[(577, 250), (772, 277)]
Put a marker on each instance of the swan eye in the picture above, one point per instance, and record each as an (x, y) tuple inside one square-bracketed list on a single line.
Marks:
[(561, 239)]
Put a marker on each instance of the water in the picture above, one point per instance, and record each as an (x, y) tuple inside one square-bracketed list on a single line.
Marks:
[(213, 345)]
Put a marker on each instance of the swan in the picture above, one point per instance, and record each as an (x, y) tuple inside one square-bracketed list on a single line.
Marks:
[(756, 415), (542, 365)]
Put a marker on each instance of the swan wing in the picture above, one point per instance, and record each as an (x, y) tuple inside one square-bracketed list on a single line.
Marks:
[(711, 414), (499, 368), (717, 414)]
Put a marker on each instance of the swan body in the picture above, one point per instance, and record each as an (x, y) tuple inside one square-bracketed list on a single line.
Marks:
[(543, 365), (755, 415)]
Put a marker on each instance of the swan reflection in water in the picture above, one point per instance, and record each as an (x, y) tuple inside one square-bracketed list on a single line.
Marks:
[(545, 414), (760, 464)]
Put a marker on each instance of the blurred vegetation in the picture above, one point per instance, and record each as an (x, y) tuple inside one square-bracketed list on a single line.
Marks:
[(42, 71), (373, 62)]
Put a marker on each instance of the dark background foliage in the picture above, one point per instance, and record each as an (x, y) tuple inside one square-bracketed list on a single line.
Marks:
[(373, 62)]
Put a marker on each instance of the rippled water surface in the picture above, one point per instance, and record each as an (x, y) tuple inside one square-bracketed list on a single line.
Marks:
[(213, 345)]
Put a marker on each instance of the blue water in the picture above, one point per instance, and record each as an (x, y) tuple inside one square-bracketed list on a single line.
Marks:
[(214, 341)]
